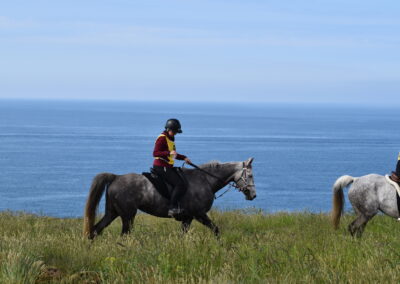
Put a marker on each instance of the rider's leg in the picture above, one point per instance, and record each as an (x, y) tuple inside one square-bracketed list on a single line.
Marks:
[(179, 188), (167, 174), (178, 191)]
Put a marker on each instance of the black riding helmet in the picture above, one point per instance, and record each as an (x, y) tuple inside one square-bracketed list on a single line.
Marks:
[(174, 125)]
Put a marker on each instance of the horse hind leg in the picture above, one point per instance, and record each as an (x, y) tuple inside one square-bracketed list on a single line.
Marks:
[(127, 222), (366, 206), (357, 227), (103, 223)]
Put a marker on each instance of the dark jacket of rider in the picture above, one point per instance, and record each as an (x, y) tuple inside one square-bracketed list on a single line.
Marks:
[(161, 151)]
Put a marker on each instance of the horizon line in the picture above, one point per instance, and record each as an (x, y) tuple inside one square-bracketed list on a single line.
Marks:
[(235, 102)]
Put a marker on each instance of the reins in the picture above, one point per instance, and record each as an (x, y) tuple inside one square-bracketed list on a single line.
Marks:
[(208, 173), (231, 184), (229, 188)]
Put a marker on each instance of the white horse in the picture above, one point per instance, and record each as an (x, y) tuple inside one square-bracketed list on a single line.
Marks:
[(368, 195)]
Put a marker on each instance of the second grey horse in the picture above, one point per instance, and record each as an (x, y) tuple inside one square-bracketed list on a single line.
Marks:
[(125, 194), (368, 195)]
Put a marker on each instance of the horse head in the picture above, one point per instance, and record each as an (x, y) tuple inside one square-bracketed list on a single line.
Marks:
[(245, 181)]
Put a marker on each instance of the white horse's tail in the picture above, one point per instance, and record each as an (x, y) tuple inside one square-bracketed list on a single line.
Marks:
[(338, 198)]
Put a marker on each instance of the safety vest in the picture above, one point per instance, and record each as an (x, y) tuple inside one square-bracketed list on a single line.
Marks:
[(171, 147)]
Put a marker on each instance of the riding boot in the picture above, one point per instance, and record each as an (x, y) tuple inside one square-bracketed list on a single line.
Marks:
[(176, 196)]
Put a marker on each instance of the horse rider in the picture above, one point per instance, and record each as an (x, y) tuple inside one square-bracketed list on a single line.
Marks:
[(396, 175), (164, 157)]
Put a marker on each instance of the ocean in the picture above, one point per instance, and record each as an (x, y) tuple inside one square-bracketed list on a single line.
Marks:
[(51, 150)]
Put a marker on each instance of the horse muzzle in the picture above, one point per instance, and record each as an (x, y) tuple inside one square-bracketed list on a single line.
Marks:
[(251, 197)]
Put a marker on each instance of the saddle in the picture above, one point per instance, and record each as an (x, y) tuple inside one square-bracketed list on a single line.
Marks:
[(161, 185), (394, 180)]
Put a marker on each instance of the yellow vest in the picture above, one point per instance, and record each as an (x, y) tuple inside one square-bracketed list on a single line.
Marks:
[(171, 147)]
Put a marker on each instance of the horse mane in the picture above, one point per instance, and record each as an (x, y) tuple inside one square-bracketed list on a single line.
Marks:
[(211, 164)]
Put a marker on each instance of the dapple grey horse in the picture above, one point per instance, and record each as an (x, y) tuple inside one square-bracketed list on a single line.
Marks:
[(368, 195), (125, 194)]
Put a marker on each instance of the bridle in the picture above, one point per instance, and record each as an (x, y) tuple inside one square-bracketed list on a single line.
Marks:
[(232, 184), (244, 179)]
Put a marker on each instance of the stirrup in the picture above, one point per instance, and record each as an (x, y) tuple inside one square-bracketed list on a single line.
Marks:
[(174, 212)]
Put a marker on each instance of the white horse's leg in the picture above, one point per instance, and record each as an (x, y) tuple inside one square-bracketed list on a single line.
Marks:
[(357, 227), (365, 201)]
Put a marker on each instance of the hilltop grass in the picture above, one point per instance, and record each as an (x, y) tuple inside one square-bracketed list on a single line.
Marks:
[(253, 248)]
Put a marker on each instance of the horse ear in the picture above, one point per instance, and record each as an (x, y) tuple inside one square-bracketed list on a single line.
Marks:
[(249, 161)]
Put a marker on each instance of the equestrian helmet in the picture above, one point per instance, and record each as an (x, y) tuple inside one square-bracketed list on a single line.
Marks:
[(174, 125)]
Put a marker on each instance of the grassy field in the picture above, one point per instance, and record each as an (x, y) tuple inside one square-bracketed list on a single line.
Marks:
[(253, 248)]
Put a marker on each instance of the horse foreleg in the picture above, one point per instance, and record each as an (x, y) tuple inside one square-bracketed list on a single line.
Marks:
[(206, 221), (186, 224)]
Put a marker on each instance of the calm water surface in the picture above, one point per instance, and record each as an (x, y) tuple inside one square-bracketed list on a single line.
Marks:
[(50, 151)]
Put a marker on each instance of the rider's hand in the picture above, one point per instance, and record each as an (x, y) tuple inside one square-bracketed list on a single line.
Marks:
[(173, 152), (187, 160)]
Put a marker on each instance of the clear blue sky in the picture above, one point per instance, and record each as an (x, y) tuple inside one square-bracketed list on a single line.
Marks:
[(285, 51)]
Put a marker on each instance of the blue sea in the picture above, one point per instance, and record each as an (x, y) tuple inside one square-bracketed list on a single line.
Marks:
[(51, 150)]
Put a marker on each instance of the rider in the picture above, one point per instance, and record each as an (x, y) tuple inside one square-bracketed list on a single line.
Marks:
[(396, 175), (164, 156)]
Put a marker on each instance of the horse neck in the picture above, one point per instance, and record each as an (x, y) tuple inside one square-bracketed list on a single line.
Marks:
[(224, 172)]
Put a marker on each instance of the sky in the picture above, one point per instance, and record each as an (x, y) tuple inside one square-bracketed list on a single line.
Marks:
[(252, 51)]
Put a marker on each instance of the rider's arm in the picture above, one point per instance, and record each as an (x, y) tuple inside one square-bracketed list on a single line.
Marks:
[(180, 157)]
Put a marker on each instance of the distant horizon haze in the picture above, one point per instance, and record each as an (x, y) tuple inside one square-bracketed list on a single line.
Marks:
[(303, 103)]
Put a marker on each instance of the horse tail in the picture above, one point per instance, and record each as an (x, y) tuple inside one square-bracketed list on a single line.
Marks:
[(99, 185), (338, 198)]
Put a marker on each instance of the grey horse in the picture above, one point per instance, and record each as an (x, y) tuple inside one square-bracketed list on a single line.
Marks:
[(125, 194), (368, 195)]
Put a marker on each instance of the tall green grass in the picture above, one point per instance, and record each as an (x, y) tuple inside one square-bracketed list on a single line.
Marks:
[(253, 248)]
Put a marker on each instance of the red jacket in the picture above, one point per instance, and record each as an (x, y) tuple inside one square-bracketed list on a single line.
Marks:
[(161, 150)]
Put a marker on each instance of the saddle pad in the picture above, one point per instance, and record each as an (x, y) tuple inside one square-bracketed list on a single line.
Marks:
[(394, 184), (159, 184)]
